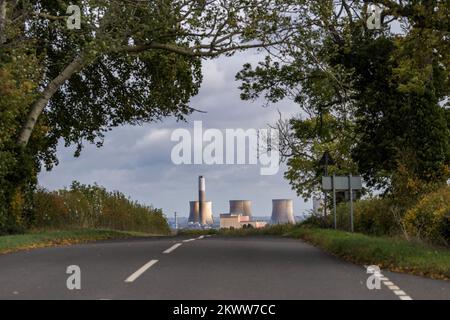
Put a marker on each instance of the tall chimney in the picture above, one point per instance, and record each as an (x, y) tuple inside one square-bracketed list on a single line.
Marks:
[(201, 197)]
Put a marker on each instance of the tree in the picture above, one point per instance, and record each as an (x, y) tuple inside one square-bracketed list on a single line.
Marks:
[(131, 62), (387, 90)]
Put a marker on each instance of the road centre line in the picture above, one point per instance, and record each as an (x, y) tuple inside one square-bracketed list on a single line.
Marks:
[(172, 248), (139, 272)]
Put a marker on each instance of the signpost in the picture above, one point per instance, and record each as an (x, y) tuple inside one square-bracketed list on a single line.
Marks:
[(342, 183), (324, 162)]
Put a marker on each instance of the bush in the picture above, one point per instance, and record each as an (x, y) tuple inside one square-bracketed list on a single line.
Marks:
[(377, 216), (92, 207), (318, 220), (429, 220)]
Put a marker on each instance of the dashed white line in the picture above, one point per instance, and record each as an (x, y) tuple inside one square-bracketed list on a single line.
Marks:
[(393, 288), (138, 273), (172, 248)]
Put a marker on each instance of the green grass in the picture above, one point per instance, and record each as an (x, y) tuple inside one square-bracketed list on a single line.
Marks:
[(41, 239), (194, 232), (395, 254)]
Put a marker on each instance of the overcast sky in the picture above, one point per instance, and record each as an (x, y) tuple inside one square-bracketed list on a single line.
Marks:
[(137, 160)]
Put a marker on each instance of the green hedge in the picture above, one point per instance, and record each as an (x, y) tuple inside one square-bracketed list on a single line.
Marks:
[(92, 207)]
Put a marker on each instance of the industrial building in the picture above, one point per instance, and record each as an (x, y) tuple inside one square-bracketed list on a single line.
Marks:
[(240, 216), (237, 221)]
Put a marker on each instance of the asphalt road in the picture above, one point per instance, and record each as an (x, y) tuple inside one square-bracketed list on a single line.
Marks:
[(202, 269)]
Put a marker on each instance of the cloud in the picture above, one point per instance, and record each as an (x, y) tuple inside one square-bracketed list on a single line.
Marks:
[(136, 160)]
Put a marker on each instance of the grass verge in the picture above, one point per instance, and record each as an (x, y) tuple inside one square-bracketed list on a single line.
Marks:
[(40, 239), (394, 254)]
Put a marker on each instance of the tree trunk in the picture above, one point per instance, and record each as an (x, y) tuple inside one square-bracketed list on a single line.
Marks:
[(2, 21), (75, 66)]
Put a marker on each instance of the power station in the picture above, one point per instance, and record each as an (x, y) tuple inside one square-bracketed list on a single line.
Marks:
[(240, 214)]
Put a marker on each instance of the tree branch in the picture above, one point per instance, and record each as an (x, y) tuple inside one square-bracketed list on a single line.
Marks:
[(196, 50)]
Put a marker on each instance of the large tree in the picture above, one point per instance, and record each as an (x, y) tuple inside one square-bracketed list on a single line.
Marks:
[(387, 88), (130, 62)]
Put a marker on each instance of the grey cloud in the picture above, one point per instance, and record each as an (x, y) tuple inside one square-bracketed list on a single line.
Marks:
[(136, 160)]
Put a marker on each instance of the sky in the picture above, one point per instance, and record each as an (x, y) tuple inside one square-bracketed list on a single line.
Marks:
[(136, 160)]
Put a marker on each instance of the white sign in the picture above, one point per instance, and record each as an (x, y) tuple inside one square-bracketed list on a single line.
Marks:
[(341, 183)]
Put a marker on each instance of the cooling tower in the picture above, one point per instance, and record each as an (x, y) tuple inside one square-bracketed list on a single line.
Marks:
[(243, 207), (282, 211), (207, 216), (194, 213)]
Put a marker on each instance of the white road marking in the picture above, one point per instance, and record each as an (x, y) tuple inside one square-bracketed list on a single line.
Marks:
[(138, 273), (393, 288), (172, 248), (405, 298), (189, 240), (201, 237), (388, 283), (400, 292)]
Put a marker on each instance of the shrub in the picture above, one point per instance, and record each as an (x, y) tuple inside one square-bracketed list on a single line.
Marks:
[(377, 216), (318, 220), (429, 220), (92, 207)]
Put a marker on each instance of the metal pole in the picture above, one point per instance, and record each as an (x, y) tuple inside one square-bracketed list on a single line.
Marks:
[(334, 201), (351, 202), (325, 211)]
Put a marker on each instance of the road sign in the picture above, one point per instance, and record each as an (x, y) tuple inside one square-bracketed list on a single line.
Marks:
[(341, 183), (326, 159)]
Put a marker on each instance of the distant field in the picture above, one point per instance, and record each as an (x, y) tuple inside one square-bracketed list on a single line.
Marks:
[(55, 238)]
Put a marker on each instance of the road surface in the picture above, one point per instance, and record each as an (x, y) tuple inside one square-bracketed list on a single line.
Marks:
[(205, 268)]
